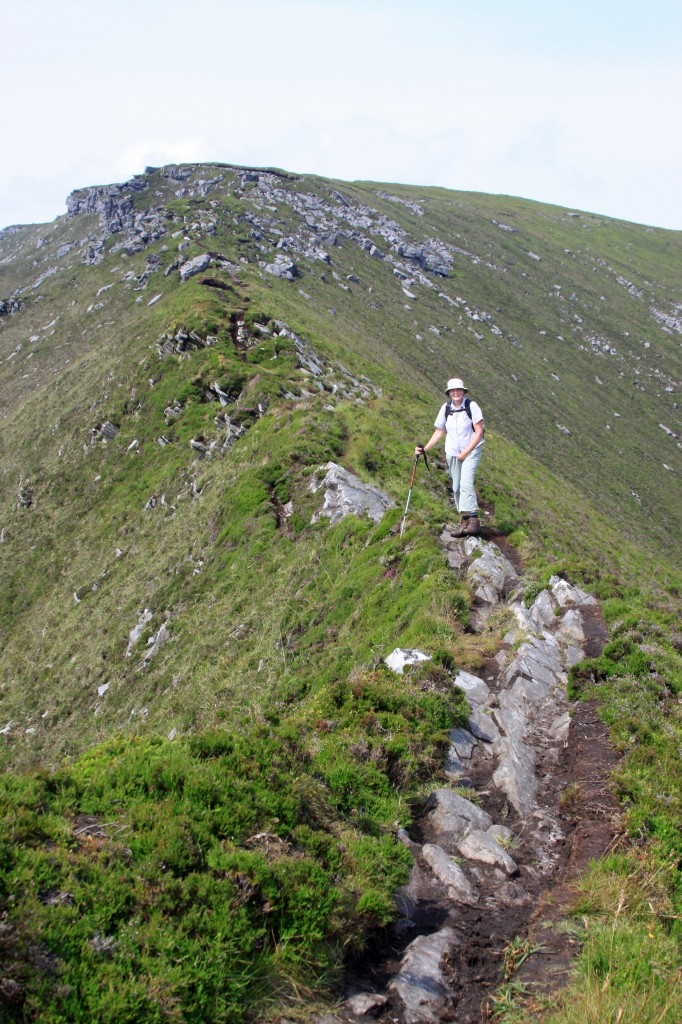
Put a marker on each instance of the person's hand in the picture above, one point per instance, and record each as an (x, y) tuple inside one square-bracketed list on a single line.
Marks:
[(419, 449)]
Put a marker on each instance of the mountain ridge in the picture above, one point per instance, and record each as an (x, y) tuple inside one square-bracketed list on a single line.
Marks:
[(181, 356), (417, 261)]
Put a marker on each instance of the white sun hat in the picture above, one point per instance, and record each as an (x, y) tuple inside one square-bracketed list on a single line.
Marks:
[(455, 382)]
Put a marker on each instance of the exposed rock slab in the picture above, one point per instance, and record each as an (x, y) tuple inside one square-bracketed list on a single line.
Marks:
[(515, 774), (568, 595), (491, 575), (543, 609), (447, 871), (491, 568), (482, 725), (346, 495), (481, 846), (463, 742), (454, 768), (452, 816), (477, 692), (421, 985)]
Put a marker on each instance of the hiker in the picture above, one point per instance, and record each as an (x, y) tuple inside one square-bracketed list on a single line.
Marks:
[(460, 422)]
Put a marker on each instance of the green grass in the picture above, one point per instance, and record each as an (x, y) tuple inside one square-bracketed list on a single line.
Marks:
[(629, 965), (232, 869)]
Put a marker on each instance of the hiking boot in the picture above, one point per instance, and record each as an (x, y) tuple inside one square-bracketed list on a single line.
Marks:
[(471, 527), (461, 530)]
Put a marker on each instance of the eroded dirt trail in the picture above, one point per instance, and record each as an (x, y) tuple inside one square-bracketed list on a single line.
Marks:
[(527, 807)]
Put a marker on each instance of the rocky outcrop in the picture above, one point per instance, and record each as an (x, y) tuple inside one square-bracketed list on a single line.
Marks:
[(183, 341), (137, 630), (115, 209), (25, 494), (8, 307), (113, 204), (107, 431), (346, 495)]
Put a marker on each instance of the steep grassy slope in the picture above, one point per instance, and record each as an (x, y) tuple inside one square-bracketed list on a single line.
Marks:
[(133, 499)]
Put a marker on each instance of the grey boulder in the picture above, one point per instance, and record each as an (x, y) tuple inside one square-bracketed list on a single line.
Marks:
[(477, 692), (195, 266), (283, 267)]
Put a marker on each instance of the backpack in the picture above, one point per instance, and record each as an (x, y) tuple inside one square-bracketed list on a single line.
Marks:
[(449, 409)]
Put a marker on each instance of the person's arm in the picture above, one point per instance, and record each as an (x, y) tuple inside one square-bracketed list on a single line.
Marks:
[(434, 439), (475, 440)]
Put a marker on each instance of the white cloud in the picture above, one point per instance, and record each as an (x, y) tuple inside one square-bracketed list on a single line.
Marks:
[(135, 156)]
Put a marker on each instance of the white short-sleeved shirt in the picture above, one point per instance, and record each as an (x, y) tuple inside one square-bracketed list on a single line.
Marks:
[(458, 427)]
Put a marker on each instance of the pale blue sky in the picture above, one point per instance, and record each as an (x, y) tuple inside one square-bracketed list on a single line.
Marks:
[(572, 104)]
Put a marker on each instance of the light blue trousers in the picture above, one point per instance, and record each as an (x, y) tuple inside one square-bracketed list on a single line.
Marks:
[(463, 474)]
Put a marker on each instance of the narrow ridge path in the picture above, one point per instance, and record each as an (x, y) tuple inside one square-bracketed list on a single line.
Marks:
[(527, 807)]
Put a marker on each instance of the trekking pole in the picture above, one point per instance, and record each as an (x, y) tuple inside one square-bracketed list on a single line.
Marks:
[(409, 493)]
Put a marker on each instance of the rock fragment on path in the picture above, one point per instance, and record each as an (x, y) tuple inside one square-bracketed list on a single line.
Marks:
[(560, 726), (482, 725), (364, 1003), (463, 742), (476, 691), (454, 768)]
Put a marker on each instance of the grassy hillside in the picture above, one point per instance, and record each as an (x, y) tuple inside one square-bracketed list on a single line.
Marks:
[(193, 702)]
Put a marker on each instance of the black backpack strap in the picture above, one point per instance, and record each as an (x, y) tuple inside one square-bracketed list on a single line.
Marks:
[(467, 408)]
